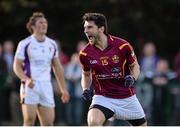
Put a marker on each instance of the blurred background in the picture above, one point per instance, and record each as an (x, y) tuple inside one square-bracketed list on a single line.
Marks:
[(152, 27)]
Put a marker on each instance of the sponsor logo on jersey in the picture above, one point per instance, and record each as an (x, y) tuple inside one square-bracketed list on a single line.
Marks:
[(39, 62), (34, 48), (93, 61), (115, 70)]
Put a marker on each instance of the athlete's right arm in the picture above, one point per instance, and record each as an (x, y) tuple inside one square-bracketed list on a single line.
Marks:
[(86, 80), (86, 83), (17, 67), (59, 74), (18, 70)]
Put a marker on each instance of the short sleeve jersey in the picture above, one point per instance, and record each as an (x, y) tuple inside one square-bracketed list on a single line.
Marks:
[(109, 67), (37, 57)]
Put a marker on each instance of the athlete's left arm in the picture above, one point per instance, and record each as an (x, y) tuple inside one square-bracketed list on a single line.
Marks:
[(132, 60), (134, 69), (59, 74)]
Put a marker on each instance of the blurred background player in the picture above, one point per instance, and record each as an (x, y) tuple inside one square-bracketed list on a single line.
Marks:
[(35, 55), (111, 64), (144, 87)]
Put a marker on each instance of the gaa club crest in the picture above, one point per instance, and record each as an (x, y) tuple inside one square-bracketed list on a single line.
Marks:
[(115, 59)]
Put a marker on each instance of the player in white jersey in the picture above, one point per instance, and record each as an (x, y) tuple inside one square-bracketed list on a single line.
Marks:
[(34, 58)]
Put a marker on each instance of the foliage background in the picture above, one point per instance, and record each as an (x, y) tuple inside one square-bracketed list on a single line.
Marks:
[(137, 21)]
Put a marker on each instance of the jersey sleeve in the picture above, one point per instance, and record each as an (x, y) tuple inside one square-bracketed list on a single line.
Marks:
[(20, 51), (83, 61), (128, 51), (130, 54), (55, 48), (56, 51)]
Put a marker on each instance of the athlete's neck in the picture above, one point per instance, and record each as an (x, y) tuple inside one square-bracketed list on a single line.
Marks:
[(102, 42), (39, 37)]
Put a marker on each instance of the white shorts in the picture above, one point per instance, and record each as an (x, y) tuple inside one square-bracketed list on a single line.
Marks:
[(41, 93), (124, 109)]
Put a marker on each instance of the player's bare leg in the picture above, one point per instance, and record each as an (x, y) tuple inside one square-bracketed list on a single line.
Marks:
[(96, 117), (29, 114), (46, 115)]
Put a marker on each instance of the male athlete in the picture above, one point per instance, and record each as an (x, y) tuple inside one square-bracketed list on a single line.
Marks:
[(34, 58), (111, 64)]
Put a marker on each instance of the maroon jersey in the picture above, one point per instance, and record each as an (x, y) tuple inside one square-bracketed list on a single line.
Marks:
[(109, 67)]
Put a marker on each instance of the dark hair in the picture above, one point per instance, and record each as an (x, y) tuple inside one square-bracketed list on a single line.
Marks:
[(33, 19), (98, 18)]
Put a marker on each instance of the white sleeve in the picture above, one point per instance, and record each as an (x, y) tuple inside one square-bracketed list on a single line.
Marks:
[(56, 52), (20, 51)]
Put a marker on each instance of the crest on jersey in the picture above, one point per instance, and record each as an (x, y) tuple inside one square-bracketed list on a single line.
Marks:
[(104, 60), (50, 49), (115, 59)]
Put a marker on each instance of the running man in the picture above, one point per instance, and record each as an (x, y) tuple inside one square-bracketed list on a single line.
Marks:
[(34, 58), (110, 63)]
